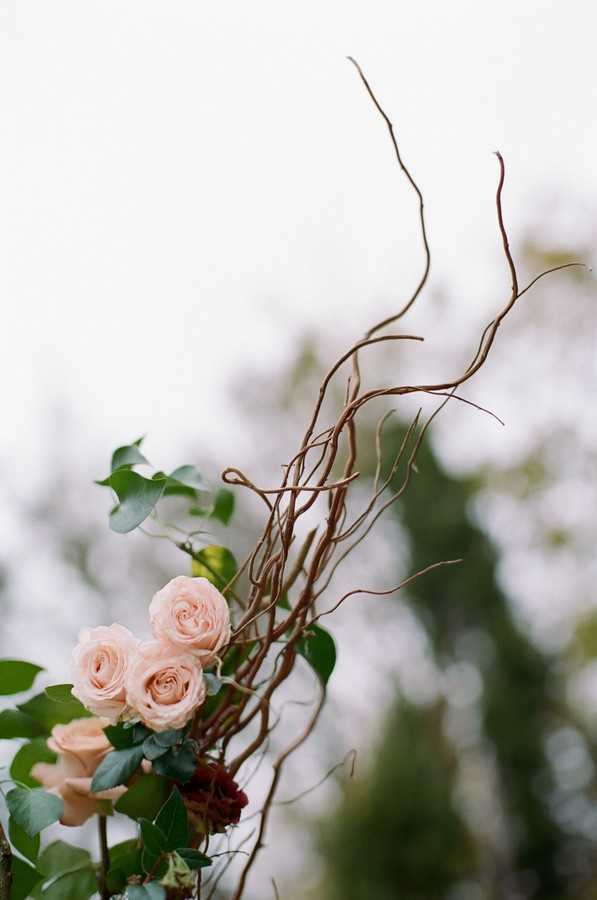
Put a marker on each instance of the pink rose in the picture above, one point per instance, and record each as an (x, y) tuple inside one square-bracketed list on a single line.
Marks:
[(81, 745), (164, 685), (192, 614), (99, 663)]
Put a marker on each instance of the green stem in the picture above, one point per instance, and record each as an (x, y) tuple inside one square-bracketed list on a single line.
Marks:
[(104, 857)]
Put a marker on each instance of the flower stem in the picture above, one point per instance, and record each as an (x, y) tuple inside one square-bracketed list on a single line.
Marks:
[(104, 857)]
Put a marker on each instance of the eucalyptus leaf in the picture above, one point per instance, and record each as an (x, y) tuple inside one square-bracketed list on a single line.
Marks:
[(152, 749), (178, 763), (16, 675), (33, 809)]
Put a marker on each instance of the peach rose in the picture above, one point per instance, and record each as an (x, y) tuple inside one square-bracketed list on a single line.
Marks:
[(81, 745), (164, 685), (99, 663), (192, 614)]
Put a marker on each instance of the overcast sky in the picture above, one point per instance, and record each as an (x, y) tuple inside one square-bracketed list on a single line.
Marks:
[(197, 183)]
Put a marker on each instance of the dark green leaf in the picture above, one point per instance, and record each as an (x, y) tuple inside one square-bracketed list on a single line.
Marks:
[(116, 768), (171, 737), (14, 724), (33, 809), (194, 858), (77, 885), (140, 732), (51, 712), (24, 879), (319, 649), (16, 675), (125, 860), (121, 738), (144, 798), (172, 820), (223, 507), (25, 758), (127, 456), (27, 846), (137, 497), (178, 763), (217, 564), (152, 836)]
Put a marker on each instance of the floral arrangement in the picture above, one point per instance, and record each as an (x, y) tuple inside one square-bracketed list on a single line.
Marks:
[(161, 730)]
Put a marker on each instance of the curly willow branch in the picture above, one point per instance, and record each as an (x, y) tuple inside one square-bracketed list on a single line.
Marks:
[(287, 576)]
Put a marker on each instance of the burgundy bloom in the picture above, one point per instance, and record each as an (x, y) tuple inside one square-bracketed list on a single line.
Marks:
[(213, 798)]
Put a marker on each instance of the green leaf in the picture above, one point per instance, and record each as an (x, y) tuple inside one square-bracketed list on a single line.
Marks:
[(77, 885), (144, 798), (137, 497), (116, 768), (318, 647), (178, 763), (194, 859), (128, 456), (16, 676), (223, 507), (171, 737), (152, 836), (188, 478), (121, 738), (33, 809), (172, 820), (60, 693), (151, 891), (48, 712), (217, 564), (152, 749), (24, 879), (25, 758), (17, 724), (59, 857), (27, 846), (125, 860)]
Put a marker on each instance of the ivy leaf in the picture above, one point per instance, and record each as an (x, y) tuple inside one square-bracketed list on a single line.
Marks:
[(24, 879), (178, 763), (128, 456), (77, 885), (48, 712), (25, 758), (33, 809), (116, 768), (137, 497), (16, 676), (17, 724), (27, 846), (318, 647), (194, 859), (186, 481), (144, 798), (223, 507), (60, 693), (172, 820), (217, 564)]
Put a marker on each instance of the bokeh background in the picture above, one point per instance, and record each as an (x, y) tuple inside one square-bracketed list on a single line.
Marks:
[(202, 212)]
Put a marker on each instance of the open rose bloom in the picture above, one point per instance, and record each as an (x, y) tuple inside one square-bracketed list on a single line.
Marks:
[(99, 664), (193, 615), (164, 686), (81, 745)]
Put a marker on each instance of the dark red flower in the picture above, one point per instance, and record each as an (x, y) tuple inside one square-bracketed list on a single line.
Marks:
[(213, 798)]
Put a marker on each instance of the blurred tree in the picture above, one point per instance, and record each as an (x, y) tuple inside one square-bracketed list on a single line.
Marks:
[(397, 834)]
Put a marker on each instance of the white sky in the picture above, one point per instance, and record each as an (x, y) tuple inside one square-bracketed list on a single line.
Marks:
[(198, 182)]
